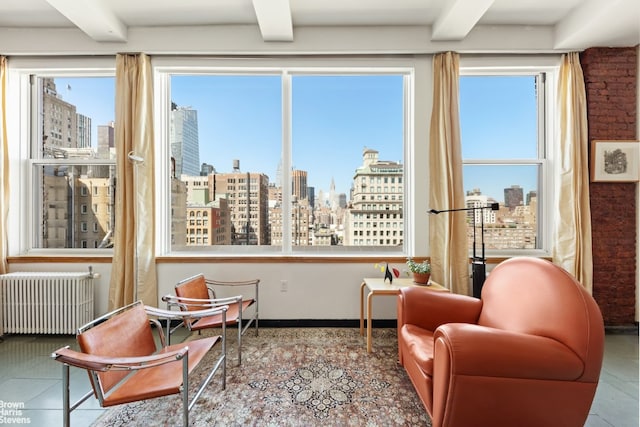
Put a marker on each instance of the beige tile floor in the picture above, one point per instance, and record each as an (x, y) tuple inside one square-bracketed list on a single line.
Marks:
[(30, 383)]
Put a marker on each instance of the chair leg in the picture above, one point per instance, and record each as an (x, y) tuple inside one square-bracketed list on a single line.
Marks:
[(256, 320), (66, 411), (185, 390), (240, 339)]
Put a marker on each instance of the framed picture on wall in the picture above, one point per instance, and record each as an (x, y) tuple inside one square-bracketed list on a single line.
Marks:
[(615, 161)]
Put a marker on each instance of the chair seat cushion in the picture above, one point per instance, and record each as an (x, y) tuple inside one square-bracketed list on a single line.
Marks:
[(216, 321), (161, 380), (420, 344)]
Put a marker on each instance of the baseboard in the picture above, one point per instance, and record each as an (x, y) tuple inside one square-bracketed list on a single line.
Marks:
[(622, 329), (314, 323), (325, 323)]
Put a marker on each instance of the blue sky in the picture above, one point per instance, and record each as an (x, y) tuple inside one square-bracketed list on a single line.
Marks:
[(333, 119), (498, 120)]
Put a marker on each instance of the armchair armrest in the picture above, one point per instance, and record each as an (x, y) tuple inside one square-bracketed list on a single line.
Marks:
[(475, 350), (211, 283), (212, 303), (214, 309), (430, 309), (93, 362), (229, 283), (184, 315)]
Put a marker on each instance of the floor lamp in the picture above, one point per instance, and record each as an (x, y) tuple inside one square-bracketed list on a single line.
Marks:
[(136, 161), (478, 263)]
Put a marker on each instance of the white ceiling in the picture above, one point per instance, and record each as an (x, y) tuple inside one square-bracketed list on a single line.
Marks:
[(576, 24)]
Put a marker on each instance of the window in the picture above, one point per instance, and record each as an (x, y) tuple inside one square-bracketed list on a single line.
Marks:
[(279, 151), (504, 132), (71, 154)]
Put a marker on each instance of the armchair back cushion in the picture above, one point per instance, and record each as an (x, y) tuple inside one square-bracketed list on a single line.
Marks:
[(525, 295)]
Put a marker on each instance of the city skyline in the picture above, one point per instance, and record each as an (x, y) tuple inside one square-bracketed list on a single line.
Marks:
[(343, 106)]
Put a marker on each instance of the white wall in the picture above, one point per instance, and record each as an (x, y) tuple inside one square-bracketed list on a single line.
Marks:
[(315, 291)]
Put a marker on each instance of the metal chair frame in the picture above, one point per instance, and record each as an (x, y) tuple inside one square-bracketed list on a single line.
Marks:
[(186, 304), (96, 364)]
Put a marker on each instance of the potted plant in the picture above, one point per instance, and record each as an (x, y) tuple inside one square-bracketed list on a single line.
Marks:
[(421, 270)]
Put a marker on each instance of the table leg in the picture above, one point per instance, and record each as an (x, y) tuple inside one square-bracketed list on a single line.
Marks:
[(362, 308), (369, 300)]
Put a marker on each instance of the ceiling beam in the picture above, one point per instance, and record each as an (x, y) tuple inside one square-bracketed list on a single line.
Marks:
[(458, 18), (587, 23), (94, 18), (274, 19)]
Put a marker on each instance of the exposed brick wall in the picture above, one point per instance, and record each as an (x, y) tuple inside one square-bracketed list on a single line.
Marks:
[(611, 77)]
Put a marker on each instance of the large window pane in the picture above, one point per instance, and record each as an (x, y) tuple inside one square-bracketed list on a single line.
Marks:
[(498, 117), (74, 156), (515, 189), (347, 178), (77, 206), (229, 153), (501, 145), (226, 143)]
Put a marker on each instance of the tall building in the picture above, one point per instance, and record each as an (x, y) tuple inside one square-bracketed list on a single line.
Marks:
[(178, 213), (475, 199), (300, 220), (184, 140), (531, 195), (513, 196), (80, 210), (247, 195), (207, 220), (59, 121), (342, 200), (333, 201), (375, 216), (207, 224), (106, 141), (311, 193), (299, 184), (84, 131), (206, 169)]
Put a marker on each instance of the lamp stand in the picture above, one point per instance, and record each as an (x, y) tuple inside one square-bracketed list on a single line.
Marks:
[(478, 263)]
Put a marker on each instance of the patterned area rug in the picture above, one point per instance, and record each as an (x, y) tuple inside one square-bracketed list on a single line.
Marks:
[(295, 377)]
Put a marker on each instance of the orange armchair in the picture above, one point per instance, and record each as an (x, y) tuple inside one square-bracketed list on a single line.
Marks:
[(528, 353)]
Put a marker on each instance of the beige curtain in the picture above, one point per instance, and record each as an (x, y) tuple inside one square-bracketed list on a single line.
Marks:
[(447, 231), (572, 233), (133, 256), (4, 173), (4, 162)]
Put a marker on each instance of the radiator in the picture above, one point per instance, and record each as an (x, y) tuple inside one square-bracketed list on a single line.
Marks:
[(45, 303)]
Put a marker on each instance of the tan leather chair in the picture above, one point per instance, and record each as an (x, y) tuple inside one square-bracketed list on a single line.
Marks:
[(124, 364), (528, 353), (198, 292)]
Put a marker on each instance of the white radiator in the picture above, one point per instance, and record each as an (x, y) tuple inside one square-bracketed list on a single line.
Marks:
[(45, 303)]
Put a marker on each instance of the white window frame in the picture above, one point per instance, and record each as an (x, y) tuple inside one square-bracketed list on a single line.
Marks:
[(24, 201), (419, 99), (529, 65), (165, 67)]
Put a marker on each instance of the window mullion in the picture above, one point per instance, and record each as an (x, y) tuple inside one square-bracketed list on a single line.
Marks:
[(286, 162)]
